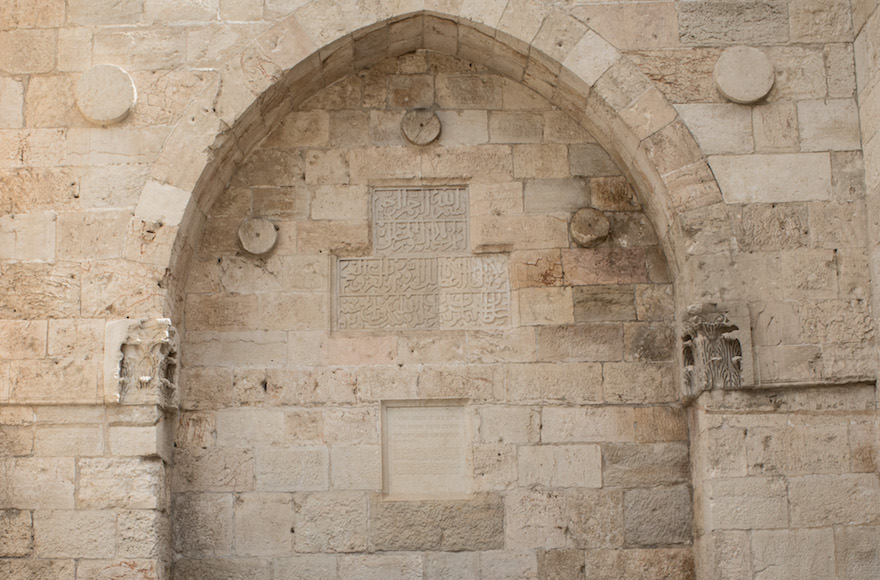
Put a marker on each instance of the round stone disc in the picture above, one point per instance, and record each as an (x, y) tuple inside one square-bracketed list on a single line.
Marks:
[(105, 94), (744, 74), (589, 227), (420, 127), (257, 236)]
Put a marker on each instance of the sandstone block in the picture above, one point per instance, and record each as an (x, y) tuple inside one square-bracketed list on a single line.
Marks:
[(657, 516), (475, 524), (773, 178), (746, 503), (534, 519), (827, 500), (793, 553), (829, 125), (605, 265), (330, 522), (38, 483), (16, 533), (292, 469), (262, 523), (213, 469), (603, 303), (203, 524), (576, 382), (587, 424), (356, 467), (560, 465), (74, 534)]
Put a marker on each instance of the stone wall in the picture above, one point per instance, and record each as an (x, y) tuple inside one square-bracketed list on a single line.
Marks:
[(768, 208)]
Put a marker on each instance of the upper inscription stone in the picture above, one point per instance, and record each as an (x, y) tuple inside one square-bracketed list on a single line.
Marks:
[(420, 220)]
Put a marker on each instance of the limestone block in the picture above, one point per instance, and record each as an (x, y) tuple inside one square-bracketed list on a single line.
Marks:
[(774, 227), (559, 127), (509, 425), (595, 518), (797, 450), (23, 339), (227, 568), (463, 128), (98, 234), (792, 553), (202, 524), (274, 168), (11, 104), (630, 465), (639, 383), (55, 569), (560, 465), (380, 567), (35, 290), (535, 268), (490, 163), (590, 57), (654, 302), (356, 467), (280, 202), (16, 533), (33, 190), (800, 73), (515, 127), (338, 238), (250, 427), (305, 567), (603, 303), (123, 483), (543, 306), (452, 565), (827, 500), (475, 524), (555, 195), (494, 467), (835, 321), (856, 551), (651, 27), (840, 69), (602, 424), (648, 342), (492, 346), (468, 91), (605, 265), (659, 515), (660, 424), (719, 128), (140, 49), (48, 381), (410, 91), (116, 186), (723, 23), (385, 128), (323, 385), (241, 10), (351, 426), (672, 148), (262, 523), (498, 565), (108, 145), (124, 12), (612, 194), (829, 125), (818, 21), (649, 563), (74, 534), (534, 519), (567, 381), (330, 522), (119, 569), (16, 440), (744, 503), (340, 349), (477, 382), (591, 160), (213, 469), (775, 127), (60, 441), (74, 49), (836, 225), (292, 469), (206, 388), (588, 342), (773, 178), (27, 51), (519, 232), (142, 533), (139, 441), (431, 347)]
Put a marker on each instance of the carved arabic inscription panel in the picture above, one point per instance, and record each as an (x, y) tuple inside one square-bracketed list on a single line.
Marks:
[(423, 276)]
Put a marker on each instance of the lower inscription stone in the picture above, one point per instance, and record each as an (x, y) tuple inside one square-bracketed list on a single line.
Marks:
[(426, 450)]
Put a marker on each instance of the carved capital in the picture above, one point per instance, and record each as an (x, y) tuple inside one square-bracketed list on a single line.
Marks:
[(141, 362), (713, 359)]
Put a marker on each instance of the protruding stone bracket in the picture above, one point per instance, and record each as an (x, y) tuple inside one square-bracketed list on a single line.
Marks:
[(141, 362), (713, 356)]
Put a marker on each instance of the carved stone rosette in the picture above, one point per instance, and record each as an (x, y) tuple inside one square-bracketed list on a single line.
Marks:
[(141, 362), (712, 358)]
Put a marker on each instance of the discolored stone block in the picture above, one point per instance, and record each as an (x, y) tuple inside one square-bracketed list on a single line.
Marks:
[(657, 516), (330, 522)]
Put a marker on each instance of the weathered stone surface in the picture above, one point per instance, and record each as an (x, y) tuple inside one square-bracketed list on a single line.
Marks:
[(746, 503), (719, 128), (725, 22), (595, 518), (437, 525), (857, 551), (38, 483), (74, 534), (828, 125), (203, 524), (564, 424), (330, 522), (16, 533), (262, 523), (579, 382), (380, 567), (773, 178), (560, 465), (121, 483), (534, 519), (589, 227), (587, 342), (604, 266), (793, 553), (213, 469), (827, 500), (657, 516), (227, 568), (633, 465)]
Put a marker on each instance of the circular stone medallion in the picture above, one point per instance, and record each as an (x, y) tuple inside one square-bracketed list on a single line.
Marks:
[(105, 94), (420, 127), (744, 74), (257, 236)]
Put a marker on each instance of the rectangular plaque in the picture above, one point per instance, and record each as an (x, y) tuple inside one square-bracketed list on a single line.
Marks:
[(426, 449), (420, 220), (449, 292)]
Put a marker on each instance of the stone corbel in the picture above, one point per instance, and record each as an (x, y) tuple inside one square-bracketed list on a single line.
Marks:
[(714, 356), (141, 362)]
